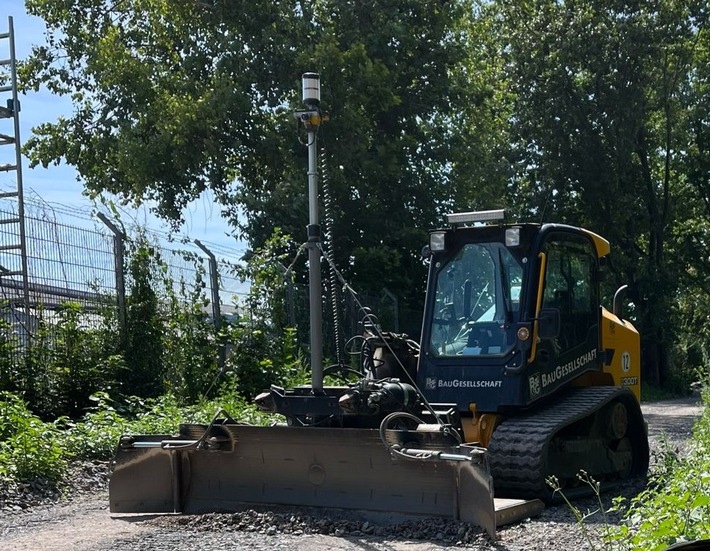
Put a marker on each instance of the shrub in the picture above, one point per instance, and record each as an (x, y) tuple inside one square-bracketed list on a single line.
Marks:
[(191, 344), (144, 328), (84, 359), (10, 352), (29, 447), (264, 349)]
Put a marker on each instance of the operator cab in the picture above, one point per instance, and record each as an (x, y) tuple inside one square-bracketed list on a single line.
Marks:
[(510, 307)]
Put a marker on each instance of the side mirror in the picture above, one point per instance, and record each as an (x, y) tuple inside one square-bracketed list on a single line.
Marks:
[(618, 298), (548, 323)]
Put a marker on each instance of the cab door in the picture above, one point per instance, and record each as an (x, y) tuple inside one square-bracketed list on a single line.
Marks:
[(570, 291)]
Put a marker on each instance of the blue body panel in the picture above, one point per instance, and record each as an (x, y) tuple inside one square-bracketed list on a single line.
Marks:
[(458, 382)]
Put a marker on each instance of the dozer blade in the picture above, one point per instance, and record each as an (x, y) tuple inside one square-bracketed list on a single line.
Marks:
[(230, 465)]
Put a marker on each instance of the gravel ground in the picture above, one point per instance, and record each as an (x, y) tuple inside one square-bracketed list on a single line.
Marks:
[(34, 518)]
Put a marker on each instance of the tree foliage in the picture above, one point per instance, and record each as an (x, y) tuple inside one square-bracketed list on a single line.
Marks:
[(144, 346), (591, 112), (602, 129), (172, 98)]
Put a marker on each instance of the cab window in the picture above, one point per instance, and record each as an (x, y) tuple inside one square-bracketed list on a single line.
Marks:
[(477, 299), (571, 287)]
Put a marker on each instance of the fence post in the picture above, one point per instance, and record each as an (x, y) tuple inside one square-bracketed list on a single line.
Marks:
[(118, 254), (214, 287)]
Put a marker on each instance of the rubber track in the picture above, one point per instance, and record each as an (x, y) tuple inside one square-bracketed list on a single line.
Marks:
[(518, 449)]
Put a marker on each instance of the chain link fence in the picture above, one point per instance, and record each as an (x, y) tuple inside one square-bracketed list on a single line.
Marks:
[(70, 263), (67, 262)]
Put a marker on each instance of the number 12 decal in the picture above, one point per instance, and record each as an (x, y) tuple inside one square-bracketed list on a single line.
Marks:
[(625, 362)]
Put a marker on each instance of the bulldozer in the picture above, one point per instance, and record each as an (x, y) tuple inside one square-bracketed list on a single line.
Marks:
[(519, 375)]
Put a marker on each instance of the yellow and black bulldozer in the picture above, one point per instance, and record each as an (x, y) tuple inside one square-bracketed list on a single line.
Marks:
[(519, 375)]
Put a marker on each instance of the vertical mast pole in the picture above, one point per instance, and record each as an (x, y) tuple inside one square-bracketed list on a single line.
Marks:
[(311, 118), (314, 268)]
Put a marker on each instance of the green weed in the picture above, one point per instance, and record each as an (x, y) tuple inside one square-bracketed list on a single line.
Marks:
[(582, 517), (29, 447), (676, 505)]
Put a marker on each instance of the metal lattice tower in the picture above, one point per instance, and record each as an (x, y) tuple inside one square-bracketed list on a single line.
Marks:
[(13, 256)]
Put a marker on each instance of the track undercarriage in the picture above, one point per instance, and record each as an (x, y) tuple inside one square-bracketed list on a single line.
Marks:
[(598, 430)]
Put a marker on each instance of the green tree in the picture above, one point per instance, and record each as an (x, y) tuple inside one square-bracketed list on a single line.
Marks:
[(599, 135), (172, 98), (692, 231), (191, 347)]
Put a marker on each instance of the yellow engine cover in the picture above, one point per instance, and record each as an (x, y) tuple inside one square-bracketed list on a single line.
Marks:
[(621, 344)]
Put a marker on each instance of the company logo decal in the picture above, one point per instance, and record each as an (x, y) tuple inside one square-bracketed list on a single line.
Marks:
[(562, 371), (456, 383), (534, 384)]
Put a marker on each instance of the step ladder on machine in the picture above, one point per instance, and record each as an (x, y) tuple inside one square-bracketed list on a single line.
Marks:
[(14, 280)]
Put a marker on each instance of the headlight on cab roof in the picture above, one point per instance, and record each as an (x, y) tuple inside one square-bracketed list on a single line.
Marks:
[(479, 216), (437, 241), (512, 236)]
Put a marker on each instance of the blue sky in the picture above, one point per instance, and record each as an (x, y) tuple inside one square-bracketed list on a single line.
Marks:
[(58, 185)]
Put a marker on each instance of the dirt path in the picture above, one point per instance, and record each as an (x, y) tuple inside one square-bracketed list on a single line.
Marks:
[(84, 524), (674, 418), (77, 525)]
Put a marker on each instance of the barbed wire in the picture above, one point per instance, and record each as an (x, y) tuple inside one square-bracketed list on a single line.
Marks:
[(35, 203)]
